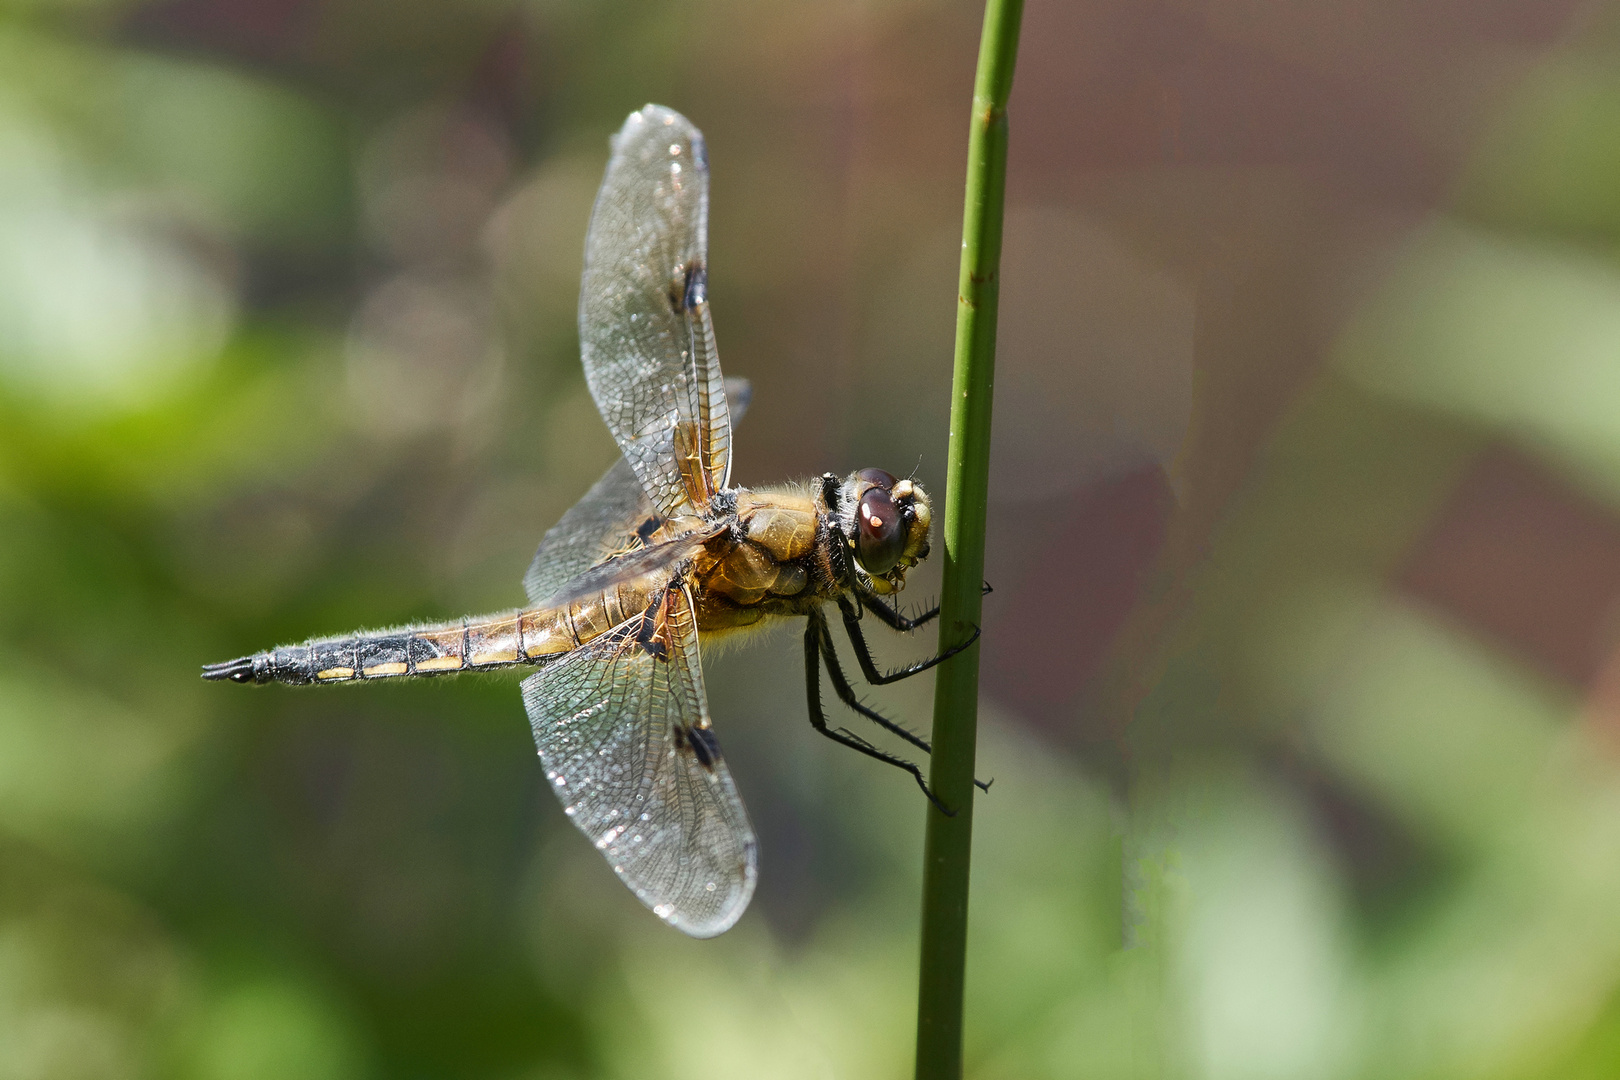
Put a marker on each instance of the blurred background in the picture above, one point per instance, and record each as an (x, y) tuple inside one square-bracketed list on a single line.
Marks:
[(1302, 671)]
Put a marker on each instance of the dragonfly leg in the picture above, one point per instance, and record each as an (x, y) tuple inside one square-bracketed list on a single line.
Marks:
[(818, 720), (846, 693), (894, 620), (891, 615), (852, 625)]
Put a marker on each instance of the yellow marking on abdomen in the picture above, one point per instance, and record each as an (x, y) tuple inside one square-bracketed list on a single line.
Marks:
[(493, 642), (439, 663), (386, 669), (335, 673), (546, 633)]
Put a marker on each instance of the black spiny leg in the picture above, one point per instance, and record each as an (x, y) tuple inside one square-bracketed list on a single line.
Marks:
[(813, 635), (891, 616), (852, 625), (846, 693), (894, 620)]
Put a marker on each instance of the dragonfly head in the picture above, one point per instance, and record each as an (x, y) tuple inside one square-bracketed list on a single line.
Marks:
[(885, 522)]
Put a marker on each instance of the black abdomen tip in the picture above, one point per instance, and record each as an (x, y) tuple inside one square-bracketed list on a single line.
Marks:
[(234, 670)]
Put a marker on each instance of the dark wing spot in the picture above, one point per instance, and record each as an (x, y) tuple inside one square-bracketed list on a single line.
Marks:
[(647, 635), (690, 290), (647, 528), (700, 743), (697, 285)]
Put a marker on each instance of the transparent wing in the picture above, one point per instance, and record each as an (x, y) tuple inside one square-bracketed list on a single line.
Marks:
[(623, 729), (604, 521), (644, 327)]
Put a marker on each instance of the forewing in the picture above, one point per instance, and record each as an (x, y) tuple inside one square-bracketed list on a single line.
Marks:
[(623, 730), (604, 521), (645, 333)]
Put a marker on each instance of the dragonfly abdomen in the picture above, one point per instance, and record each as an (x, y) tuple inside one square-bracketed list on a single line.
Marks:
[(378, 654), (471, 644)]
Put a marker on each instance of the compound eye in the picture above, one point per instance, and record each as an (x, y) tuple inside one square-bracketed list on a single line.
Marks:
[(884, 480), (882, 535)]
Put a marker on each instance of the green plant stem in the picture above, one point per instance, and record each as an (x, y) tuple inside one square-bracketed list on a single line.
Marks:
[(956, 693)]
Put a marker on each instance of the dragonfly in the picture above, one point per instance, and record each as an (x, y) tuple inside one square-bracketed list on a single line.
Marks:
[(661, 554)]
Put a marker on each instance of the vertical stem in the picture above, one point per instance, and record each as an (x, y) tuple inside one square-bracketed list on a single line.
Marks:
[(956, 694)]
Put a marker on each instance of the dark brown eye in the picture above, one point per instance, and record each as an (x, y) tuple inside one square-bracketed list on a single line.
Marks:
[(882, 536), (877, 476)]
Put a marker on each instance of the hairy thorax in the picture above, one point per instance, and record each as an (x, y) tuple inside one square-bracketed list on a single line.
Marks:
[(774, 561)]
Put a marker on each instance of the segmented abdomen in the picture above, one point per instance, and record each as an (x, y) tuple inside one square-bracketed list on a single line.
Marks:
[(472, 644)]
